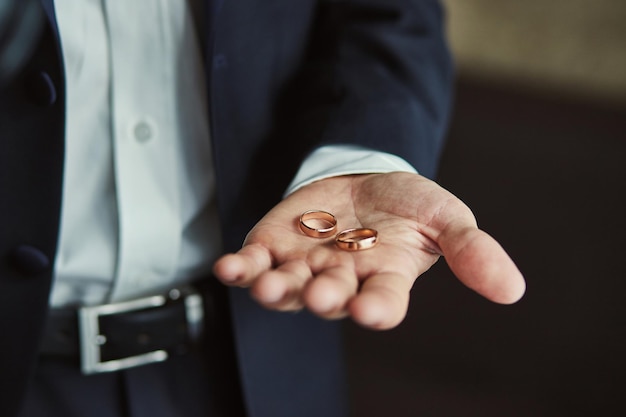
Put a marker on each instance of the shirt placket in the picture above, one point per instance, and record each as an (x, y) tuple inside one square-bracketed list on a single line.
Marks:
[(144, 148)]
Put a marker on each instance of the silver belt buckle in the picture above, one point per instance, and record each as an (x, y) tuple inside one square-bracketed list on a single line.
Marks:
[(91, 339)]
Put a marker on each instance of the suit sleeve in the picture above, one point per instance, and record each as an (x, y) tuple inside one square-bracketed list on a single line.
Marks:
[(381, 74), (289, 78)]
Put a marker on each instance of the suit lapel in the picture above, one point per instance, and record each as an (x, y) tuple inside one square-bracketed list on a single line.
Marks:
[(48, 6)]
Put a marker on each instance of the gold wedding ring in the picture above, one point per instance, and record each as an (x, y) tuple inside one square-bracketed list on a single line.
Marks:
[(357, 239), (318, 223)]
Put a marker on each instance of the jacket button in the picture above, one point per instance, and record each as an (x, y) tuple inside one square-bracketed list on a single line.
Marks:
[(220, 62), (41, 89), (30, 259)]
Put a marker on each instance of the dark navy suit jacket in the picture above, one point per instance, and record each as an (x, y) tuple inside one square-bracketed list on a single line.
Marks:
[(284, 78)]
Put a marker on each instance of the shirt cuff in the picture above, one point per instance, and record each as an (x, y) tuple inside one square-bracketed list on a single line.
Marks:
[(335, 160)]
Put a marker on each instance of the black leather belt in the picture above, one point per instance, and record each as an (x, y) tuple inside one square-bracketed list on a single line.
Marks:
[(117, 336)]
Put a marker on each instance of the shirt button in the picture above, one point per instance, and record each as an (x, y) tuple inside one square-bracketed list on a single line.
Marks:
[(143, 132)]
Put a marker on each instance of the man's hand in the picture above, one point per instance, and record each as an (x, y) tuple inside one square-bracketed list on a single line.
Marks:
[(417, 221)]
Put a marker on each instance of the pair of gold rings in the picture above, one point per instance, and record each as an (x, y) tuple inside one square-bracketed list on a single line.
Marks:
[(321, 224)]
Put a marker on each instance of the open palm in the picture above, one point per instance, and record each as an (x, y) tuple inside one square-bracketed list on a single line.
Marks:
[(417, 221)]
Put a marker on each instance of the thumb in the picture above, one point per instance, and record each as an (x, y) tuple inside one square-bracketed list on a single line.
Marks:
[(480, 263)]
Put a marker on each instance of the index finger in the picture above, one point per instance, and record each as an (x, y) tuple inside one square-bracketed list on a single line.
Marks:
[(243, 267)]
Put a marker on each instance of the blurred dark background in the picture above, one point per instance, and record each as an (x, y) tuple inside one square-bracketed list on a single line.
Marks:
[(537, 148)]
